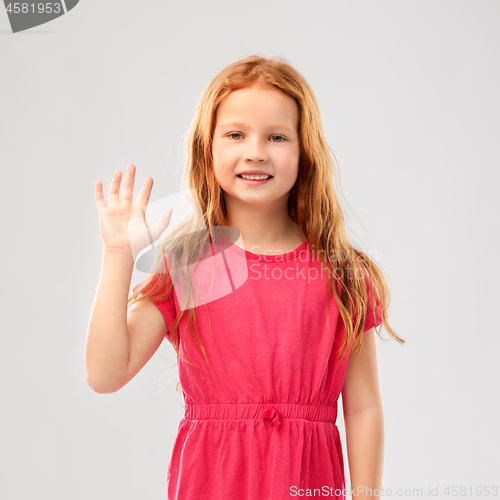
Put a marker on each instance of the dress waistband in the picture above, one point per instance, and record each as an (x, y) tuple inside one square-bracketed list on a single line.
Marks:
[(268, 411)]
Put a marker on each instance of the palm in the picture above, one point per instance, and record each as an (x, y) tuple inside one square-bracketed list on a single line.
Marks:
[(123, 226)]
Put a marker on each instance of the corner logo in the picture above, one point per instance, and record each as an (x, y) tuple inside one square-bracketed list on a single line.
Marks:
[(26, 15)]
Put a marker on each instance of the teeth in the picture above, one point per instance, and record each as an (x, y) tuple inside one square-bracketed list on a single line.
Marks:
[(255, 177)]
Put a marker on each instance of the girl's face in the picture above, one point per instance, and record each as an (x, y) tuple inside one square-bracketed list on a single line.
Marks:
[(256, 130)]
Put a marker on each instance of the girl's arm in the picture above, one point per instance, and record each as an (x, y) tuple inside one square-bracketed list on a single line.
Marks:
[(119, 345), (364, 422), (108, 343)]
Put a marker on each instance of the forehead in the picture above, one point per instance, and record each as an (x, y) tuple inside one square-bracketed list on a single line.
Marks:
[(257, 105)]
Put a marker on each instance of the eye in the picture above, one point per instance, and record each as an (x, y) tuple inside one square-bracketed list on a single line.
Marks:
[(279, 137)]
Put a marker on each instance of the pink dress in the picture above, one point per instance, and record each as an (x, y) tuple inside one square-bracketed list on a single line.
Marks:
[(262, 424)]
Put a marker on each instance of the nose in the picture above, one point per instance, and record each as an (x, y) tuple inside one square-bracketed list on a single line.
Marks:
[(255, 150)]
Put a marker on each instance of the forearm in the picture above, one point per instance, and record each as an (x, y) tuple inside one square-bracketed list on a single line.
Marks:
[(107, 345), (365, 450)]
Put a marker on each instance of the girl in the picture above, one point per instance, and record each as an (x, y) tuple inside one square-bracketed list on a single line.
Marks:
[(269, 307)]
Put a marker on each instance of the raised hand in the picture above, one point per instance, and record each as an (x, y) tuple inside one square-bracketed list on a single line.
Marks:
[(123, 225)]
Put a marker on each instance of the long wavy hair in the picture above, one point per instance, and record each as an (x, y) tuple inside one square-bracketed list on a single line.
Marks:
[(312, 204)]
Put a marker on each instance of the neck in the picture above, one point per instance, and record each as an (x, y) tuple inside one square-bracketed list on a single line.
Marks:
[(264, 227)]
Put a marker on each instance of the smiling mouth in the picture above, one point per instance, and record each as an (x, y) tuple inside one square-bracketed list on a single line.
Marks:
[(260, 178)]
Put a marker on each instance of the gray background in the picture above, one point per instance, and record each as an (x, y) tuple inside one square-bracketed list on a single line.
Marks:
[(408, 92)]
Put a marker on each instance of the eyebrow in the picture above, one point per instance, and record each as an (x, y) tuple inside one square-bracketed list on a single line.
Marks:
[(239, 124)]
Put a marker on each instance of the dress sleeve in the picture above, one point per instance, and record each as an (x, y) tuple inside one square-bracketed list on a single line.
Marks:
[(369, 323), (166, 306)]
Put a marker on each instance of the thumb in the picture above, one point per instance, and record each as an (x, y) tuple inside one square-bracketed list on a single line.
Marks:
[(158, 228)]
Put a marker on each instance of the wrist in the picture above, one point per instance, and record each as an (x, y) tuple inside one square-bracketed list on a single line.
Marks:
[(118, 253)]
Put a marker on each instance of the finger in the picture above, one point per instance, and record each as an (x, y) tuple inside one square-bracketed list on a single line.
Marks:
[(99, 198), (143, 198), (128, 184), (114, 188), (158, 228)]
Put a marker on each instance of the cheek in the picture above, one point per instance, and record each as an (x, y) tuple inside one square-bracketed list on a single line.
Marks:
[(223, 161), (217, 160), (218, 154), (221, 167), (288, 163)]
